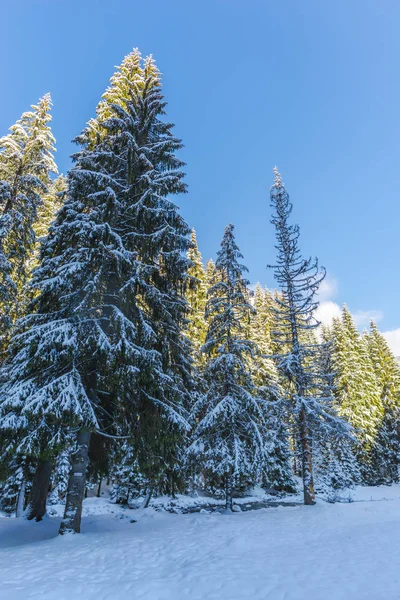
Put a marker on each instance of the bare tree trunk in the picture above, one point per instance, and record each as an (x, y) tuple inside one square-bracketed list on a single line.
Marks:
[(71, 522), (148, 496), (36, 508), (193, 491), (228, 494), (20, 502), (306, 457)]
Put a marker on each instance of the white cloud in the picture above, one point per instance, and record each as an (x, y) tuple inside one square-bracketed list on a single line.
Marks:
[(362, 318), (327, 289), (393, 339), (327, 311)]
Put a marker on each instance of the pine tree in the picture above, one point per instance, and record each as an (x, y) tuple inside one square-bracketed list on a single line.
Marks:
[(51, 203), (210, 272), (260, 330), (386, 448), (356, 389), (129, 482), (59, 478), (277, 473), (103, 349), (309, 401), (337, 469), (18, 474), (26, 164), (231, 439), (196, 296)]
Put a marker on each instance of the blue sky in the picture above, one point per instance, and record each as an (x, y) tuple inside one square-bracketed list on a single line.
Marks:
[(310, 86)]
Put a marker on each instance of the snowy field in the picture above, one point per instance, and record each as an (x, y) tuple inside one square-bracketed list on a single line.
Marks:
[(326, 552)]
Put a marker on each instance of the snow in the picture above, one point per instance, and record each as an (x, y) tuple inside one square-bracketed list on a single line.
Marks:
[(327, 552)]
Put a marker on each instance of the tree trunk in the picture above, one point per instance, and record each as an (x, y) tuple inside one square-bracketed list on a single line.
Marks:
[(306, 459), (147, 499), (99, 487), (71, 522), (228, 494), (36, 508), (20, 502)]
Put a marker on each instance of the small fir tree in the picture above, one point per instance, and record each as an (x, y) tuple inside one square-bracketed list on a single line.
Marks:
[(231, 439)]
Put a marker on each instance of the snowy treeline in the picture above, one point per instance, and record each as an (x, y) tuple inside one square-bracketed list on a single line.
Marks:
[(125, 359)]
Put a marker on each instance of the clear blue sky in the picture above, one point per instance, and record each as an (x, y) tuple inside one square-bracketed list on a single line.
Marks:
[(311, 86)]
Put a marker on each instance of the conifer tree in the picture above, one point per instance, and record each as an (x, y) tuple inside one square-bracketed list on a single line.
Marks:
[(309, 399), (26, 165), (51, 203), (356, 389), (196, 296), (231, 438), (210, 272), (128, 481), (278, 473), (102, 348), (60, 476), (337, 468), (386, 448)]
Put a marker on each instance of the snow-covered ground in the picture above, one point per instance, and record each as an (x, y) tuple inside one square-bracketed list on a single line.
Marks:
[(325, 552)]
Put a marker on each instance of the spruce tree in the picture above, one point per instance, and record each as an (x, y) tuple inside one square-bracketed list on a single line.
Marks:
[(196, 296), (231, 439), (356, 389), (386, 448), (337, 469), (102, 348), (277, 473), (210, 271), (26, 165), (52, 201), (128, 481), (60, 476), (309, 397)]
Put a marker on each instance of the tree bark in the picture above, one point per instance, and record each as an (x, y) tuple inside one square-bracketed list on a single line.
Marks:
[(20, 502), (228, 494), (71, 522), (148, 496), (36, 508), (306, 459)]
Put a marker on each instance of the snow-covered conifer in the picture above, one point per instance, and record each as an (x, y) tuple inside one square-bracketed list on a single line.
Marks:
[(102, 348), (196, 296), (231, 440), (26, 163), (128, 481), (309, 395), (385, 459), (59, 477), (278, 472), (357, 395)]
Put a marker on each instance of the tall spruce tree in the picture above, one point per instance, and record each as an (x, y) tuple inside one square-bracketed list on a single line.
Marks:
[(278, 472), (386, 448), (210, 270), (231, 440), (309, 397), (196, 296), (102, 348), (356, 389), (26, 165), (337, 469)]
